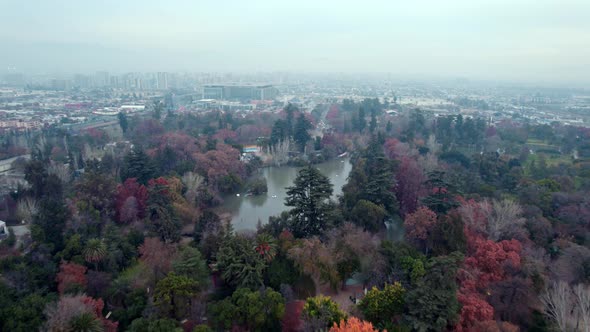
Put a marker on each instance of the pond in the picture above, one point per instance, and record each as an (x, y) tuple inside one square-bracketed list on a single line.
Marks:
[(246, 211)]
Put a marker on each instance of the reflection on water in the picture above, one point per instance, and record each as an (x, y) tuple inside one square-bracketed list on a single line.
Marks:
[(248, 210)]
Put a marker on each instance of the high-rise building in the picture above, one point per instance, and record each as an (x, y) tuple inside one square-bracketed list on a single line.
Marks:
[(60, 84), (162, 81), (101, 79), (82, 81), (14, 79), (240, 91), (115, 82)]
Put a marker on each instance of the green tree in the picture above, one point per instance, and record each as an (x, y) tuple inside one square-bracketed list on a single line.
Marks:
[(73, 250), (380, 180), (281, 270), (301, 134), (368, 215), (137, 164), (174, 295), (432, 305), (381, 307), (202, 328), (21, 314), (154, 325), (308, 198), (355, 185), (207, 219), (259, 310), (96, 192), (94, 252), (317, 144), (321, 312), (158, 108), (49, 222), (190, 263), (123, 122), (361, 122), (240, 265), (85, 322), (290, 109), (130, 306), (448, 235), (36, 176), (280, 132), (404, 260), (441, 198), (163, 220)]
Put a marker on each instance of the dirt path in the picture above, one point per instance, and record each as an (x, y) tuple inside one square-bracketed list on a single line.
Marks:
[(343, 295)]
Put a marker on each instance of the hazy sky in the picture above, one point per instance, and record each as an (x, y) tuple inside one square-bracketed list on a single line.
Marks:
[(525, 40)]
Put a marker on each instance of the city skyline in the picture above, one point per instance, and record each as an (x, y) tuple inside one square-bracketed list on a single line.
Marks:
[(523, 41)]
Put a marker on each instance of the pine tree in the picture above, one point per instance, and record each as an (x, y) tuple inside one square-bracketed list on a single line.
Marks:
[(380, 178), (432, 305), (137, 165), (308, 198)]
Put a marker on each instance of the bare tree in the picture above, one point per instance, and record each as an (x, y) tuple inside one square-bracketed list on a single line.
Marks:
[(193, 182), (476, 214), (61, 313), (559, 301), (61, 171), (92, 152), (280, 152), (27, 208), (41, 147), (429, 162), (505, 216), (582, 298)]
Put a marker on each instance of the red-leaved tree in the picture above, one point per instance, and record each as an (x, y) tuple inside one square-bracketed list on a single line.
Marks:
[(353, 324), (419, 226), (487, 262), (131, 201), (157, 255), (291, 321), (70, 275)]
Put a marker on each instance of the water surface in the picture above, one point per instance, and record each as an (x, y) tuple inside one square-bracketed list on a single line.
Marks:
[(247, 211)]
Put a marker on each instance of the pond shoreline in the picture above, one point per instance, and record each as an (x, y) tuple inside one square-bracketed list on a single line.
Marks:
[(246, 211)]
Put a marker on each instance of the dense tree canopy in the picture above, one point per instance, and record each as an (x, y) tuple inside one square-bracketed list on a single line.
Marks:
[(467, 220)]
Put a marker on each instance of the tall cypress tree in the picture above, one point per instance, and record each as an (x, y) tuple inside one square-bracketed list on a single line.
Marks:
[(362, 122), (373, 123), (123, 122), (301, 135)]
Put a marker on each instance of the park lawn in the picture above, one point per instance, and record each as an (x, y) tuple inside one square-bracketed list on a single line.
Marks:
[(551, 160)]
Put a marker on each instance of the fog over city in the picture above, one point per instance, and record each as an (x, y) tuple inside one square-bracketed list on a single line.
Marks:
[(524, 41)]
